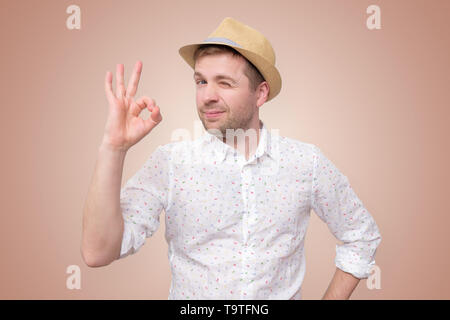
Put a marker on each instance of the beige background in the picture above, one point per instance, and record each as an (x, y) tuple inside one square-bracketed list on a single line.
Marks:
[(375, 101)]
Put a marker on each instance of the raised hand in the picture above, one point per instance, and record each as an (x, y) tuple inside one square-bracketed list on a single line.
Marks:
[(124, 127)]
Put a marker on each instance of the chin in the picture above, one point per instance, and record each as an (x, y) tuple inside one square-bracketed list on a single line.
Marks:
[(212, 125)]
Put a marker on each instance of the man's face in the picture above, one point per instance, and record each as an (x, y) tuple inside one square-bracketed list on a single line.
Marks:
[(222, 87)]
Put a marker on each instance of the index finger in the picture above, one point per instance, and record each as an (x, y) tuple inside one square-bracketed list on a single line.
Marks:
[(134, 80)]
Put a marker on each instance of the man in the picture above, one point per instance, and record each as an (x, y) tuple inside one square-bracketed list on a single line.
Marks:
[(236, 212)]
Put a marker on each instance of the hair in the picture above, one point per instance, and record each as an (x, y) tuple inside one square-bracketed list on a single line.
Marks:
[(254, 76)]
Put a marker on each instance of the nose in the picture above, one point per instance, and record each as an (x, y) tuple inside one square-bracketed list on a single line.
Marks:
[(210, 94)]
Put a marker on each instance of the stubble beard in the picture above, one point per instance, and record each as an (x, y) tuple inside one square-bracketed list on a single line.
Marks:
[(227, 123)]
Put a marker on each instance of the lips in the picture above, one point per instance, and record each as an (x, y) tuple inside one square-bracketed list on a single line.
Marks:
[(213, 113)]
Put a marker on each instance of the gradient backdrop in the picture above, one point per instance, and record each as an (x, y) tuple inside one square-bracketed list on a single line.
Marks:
[(375, 101)]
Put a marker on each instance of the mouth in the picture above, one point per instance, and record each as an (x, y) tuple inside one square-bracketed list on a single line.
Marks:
[(213, 114)]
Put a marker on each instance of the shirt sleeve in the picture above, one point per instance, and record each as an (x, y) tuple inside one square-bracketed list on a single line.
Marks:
[(142, 199), (336, 203)]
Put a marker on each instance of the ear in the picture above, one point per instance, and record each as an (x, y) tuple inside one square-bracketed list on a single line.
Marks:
[(262, 93)]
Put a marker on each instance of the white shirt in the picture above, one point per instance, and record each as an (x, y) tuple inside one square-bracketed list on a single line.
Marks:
[(236, 228)]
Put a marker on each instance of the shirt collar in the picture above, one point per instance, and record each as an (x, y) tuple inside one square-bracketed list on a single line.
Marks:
[(217, 150)]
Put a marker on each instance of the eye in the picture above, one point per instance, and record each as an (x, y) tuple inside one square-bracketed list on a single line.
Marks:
[(226, 84), (198, 81)]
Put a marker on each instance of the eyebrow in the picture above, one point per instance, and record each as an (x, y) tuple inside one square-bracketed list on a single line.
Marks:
[(217, 77)]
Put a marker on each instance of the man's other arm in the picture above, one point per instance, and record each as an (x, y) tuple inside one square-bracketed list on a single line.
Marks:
[(341, 286)]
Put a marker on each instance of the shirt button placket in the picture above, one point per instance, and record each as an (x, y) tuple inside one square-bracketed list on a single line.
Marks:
[(245, 273), (244, 190)]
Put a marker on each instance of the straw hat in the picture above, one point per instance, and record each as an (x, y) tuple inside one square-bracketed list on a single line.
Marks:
[(248, 42)]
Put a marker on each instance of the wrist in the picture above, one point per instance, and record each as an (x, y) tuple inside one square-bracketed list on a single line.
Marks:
[(111, 149)]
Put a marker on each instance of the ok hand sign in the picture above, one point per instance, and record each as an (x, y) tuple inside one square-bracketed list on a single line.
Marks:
[(124, 127)]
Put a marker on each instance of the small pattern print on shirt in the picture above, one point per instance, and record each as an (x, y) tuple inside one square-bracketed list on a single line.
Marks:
[(235, 227)]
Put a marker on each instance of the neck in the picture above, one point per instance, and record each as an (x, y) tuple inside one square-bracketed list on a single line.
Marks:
[(245, 140)]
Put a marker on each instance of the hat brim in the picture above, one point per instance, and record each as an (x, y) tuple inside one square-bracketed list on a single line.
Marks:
[(267, 70)]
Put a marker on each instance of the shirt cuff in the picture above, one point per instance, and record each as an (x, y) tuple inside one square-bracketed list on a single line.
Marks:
[(130, 242), (346, 260)]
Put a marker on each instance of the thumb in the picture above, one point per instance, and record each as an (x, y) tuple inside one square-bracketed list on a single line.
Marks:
[(155, 114), (154, 119)]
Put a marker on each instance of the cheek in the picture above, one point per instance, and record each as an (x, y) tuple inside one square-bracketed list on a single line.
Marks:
[(241, 104), (234, 100), (199, 101)]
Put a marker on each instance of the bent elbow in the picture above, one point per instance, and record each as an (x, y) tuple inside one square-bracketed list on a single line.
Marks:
[(94, 261)]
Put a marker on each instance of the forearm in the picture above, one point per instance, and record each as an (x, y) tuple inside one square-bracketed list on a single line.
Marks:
[(341, 286), (102, 216)]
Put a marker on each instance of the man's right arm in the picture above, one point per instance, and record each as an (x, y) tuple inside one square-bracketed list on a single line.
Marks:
[(103, 224), (102, 216)]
